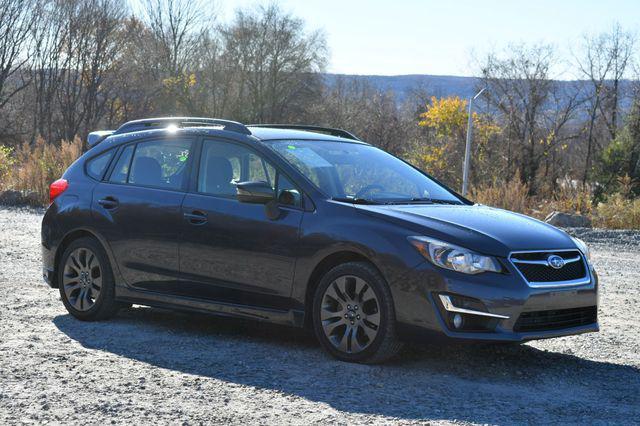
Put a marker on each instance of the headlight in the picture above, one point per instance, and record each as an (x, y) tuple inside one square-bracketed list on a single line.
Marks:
[(449, 256), (582, 246)]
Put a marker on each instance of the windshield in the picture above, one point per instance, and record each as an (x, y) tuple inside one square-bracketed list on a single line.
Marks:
[(361, 173)]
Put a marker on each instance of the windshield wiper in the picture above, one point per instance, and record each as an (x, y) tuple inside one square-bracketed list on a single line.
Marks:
[(424, 200), (364, 201)]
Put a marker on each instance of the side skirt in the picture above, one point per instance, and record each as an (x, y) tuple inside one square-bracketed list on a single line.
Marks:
[(292, 317)]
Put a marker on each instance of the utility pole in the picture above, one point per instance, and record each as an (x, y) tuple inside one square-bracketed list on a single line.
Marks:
[(467, 148)]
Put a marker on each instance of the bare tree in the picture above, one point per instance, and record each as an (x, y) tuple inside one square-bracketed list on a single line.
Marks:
[(519, 87), (274, 59), (17, 19), (89, 51), (175, 25), (49, 34), (604, 60)]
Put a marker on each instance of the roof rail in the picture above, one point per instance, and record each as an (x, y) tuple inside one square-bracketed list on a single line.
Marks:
[(317, 129), (163, 122)]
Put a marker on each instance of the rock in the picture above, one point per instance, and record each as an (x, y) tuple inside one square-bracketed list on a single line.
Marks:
[(32, 198), (567, 220), (18, 198), (11, 198)]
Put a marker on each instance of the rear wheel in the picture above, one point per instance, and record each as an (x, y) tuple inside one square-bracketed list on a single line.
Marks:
[(86, 281), (353, 314)]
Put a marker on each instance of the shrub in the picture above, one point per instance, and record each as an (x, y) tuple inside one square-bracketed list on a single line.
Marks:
[(618, 212), (6, 166), (512, 195), (32, 167)]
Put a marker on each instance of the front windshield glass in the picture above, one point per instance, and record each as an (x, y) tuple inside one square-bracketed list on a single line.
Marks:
[(361, 173)]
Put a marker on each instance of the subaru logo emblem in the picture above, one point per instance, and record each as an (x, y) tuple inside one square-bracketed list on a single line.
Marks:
[(555, 261)]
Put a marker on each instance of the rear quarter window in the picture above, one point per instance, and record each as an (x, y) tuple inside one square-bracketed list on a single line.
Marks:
[(96, 166)]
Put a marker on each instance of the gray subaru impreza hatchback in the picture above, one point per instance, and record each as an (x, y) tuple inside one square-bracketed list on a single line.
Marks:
[(308, 227)]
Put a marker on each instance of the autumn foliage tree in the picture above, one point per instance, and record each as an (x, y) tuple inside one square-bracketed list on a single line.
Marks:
[(445, 120)]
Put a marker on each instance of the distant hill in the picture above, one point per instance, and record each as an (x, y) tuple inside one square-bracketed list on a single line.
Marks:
[(446, 85), (403, 85)]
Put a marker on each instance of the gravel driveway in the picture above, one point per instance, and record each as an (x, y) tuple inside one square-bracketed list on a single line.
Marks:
[(154, 366)]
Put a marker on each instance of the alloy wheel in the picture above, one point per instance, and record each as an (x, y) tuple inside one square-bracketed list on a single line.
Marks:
[(350, 314), (82, 279)]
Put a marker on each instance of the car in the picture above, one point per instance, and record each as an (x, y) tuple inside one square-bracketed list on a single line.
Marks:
[(303, 226)]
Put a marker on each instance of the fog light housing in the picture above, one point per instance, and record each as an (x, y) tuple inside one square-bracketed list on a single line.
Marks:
[(462, 313)]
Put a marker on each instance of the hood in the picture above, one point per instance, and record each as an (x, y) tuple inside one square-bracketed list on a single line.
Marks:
[(480, 228)]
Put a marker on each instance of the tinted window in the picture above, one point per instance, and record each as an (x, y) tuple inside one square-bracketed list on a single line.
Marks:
[(223, 164), (121, 170), (350, 170), (97, 165), (160, 164)]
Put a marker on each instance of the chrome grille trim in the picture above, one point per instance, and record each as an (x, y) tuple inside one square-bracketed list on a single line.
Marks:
[(551, 284)]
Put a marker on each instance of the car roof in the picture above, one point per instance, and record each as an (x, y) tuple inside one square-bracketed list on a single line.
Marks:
[(258, 134), (268, 133)]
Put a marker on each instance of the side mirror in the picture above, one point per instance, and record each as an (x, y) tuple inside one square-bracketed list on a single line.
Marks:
[(254, 192)]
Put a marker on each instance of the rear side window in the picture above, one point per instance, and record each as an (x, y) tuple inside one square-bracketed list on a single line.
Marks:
[(97, 165), (160, 164)]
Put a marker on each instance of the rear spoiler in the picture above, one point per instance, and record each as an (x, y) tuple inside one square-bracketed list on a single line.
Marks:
[(96, 137)]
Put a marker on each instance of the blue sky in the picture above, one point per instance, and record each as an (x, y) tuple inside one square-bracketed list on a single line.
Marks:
[(439, 37)]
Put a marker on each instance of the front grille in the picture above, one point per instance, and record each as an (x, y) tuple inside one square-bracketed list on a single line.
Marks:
[(543, 273), (557, 319)]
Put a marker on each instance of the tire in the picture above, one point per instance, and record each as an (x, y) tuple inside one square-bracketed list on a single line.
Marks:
[(344, 302), (86, 283)]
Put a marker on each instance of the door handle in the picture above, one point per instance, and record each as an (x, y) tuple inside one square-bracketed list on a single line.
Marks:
[(196, 217), (108, 203)]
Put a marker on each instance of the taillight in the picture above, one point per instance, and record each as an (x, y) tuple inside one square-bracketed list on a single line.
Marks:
[(57, 188)]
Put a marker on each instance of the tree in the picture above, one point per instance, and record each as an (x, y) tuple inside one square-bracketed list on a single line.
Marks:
[(621, 159), (275, 62), (603, 62), (17, 19), (443, 153), (90, 51), (531, 107)]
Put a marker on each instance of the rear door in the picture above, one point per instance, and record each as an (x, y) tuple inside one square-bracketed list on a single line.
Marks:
[(231, 251), (138, 210)]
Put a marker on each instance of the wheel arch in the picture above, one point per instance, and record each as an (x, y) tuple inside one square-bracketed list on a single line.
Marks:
[(327, 263), (68, 239)]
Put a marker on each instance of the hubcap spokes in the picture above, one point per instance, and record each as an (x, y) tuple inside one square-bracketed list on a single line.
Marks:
[(350, 314), (82, 279)]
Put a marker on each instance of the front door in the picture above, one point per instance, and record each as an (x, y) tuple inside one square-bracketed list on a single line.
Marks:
[(231, 251)]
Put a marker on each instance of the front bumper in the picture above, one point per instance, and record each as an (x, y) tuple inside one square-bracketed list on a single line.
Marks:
[(422, 306)]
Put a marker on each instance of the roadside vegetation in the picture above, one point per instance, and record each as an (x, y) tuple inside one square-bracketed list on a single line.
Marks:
[(540, 145)]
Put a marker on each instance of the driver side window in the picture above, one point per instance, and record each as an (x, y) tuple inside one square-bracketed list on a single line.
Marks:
[(223, 165)]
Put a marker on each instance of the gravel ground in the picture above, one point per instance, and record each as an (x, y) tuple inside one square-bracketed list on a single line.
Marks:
[(154, 366)]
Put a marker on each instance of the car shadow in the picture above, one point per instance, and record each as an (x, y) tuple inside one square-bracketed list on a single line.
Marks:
[(474, 383)]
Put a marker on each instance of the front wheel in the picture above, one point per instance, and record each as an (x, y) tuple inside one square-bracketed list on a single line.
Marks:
[(86, 281), (353, 314)]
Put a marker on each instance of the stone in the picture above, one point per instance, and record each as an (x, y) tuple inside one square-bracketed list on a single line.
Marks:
[(568, 220)]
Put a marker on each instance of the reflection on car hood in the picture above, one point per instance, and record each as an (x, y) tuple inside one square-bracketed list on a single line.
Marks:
[(480, 228)]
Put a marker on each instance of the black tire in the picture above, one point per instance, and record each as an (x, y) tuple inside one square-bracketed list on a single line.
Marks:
[(386, 344), (104, 305)]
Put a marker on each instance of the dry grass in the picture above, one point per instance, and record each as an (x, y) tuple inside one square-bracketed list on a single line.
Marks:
[(32, 167), (511, 195), (617, 212)]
